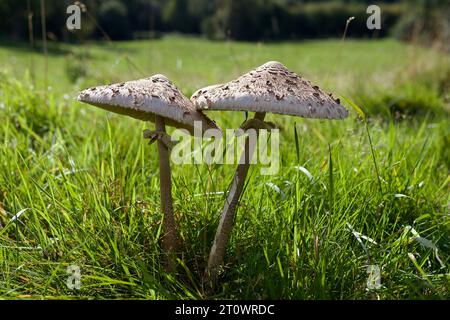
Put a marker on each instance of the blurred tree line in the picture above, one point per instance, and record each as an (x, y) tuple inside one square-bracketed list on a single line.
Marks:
[(226, 19)]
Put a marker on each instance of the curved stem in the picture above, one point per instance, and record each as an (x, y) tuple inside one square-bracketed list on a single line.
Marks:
[(223, 232), (169, 238)]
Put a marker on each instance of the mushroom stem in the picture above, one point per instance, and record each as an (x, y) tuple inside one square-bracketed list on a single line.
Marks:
[(223, 232), (169, 238)]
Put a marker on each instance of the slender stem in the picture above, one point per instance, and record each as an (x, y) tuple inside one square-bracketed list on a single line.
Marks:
[(169, 238), (374, 159), (223, 232), (44, 43), (31, 40)]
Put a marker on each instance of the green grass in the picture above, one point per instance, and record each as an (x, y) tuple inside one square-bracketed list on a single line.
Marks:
[(88, 182)]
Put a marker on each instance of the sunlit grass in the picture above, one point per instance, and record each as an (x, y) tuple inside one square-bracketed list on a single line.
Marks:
[(86, 184)]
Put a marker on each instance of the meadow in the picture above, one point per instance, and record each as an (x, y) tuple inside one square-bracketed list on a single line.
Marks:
[(79, 186)]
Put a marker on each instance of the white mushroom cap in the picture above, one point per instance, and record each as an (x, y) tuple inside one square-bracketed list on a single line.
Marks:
[(270, 88), (143, 99)]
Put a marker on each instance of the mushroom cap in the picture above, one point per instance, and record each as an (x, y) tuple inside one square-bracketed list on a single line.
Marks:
[(144, 98), (270, 88)]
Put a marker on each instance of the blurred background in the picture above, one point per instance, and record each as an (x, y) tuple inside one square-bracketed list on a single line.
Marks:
[(400, 69), (252, 20), (121, 39)]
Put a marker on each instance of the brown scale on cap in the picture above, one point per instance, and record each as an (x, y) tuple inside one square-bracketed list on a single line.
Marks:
[(271, 88), (146, 98)]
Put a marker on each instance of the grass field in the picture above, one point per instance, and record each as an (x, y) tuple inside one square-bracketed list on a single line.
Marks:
[(79, 186)]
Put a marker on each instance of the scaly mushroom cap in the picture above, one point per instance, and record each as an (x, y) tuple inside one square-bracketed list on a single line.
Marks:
[(270, 88), (143, 99)]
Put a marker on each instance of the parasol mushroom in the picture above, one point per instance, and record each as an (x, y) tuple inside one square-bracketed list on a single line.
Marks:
[(158, 100), (268, 88)]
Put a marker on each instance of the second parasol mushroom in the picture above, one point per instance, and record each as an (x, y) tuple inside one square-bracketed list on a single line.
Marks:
[(158, 100), (268, 88)]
